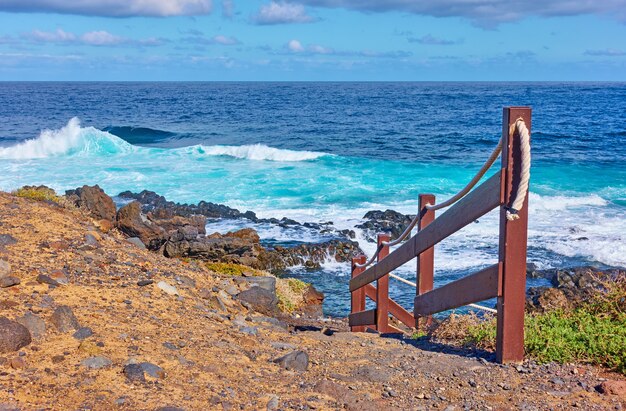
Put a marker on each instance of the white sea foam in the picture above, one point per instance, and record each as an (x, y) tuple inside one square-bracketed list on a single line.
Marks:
[(49, 143), (259, 152)]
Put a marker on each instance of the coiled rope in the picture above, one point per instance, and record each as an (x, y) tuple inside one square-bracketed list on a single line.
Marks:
[(511, 212)]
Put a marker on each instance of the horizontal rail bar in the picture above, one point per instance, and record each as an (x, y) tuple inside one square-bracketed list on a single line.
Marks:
[(471, 207), (367, 317), (412, 284), (475, 287), (395, 309)]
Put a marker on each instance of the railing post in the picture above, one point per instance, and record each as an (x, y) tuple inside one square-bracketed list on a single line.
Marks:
[(382, 289), (357, 297), (426, 260), (513, 244)]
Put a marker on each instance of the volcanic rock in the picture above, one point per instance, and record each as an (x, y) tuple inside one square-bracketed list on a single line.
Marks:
[(94, 200), (13, 335)]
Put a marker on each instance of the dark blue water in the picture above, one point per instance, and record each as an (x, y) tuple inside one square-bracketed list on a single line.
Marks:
[(332, 151)]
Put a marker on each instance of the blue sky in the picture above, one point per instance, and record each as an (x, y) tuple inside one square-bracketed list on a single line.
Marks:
[(313, 40)]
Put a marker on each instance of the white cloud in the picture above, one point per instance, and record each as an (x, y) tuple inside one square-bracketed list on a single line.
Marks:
[(431, 40), (57, 36), (282, 13), (101, 38), (91, 38), (225, 41), (483, 12), (295, 46), (114, 8)]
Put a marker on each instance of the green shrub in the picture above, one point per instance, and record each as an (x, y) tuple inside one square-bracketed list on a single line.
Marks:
[(594, 332), (233, 269), (41, 193)]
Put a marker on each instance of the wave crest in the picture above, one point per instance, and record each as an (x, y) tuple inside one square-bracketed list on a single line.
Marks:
[(74, 140), (259, 152)]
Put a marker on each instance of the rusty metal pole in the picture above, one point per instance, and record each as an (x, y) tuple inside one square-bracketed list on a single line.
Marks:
[(513, 245), (426, 260), (382, 289), (357, 297)]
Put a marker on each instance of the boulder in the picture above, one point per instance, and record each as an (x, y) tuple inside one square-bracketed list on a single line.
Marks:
[(132, 222), (13, 336), (260, 299), (94, 200), (223, 249)]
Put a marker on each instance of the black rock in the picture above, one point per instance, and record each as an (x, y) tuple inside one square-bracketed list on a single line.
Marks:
[(143, 283)]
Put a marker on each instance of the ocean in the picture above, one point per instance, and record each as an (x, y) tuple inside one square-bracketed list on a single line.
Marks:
[(318, 152)]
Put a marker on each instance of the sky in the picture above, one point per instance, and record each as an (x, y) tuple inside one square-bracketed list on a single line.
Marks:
[(313, 40)]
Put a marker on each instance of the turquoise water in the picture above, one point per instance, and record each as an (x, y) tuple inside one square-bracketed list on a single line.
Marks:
[(279, 154)]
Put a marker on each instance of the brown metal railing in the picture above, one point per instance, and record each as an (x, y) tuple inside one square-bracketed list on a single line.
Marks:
[(505, 280)]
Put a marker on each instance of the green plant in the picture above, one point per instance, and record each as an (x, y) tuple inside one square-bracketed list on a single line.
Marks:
[(285, 304), (297, 286), (38, 194), (233, 269)]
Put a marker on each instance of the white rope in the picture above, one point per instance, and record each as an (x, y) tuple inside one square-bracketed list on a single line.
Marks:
[(480, 307), (511, 212), (522, 188)]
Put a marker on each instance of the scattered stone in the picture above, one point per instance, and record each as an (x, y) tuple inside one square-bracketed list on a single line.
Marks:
[(64, 320), (13, 335), (170, 408), (170, 346), (36, 326), (82, 333), (60, 277), (295, 361), (166, 288), (17, 363), (152, 370), (249, 330), (143, 283), (272, 404), (44, 279), (91, 241), (7, 239), (136, 241), (5, 269), (134, 373), (96, 362), (9, 281), (58, 359)]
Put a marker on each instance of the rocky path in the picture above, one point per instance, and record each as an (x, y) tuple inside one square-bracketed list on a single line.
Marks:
[(91, 321)]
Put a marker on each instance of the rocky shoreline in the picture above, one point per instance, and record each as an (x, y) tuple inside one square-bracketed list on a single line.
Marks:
[(92, 319)]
